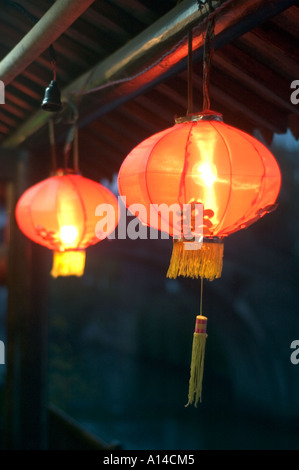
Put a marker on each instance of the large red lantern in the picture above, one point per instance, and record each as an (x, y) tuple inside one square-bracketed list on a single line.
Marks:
[(60, 214), (201, 160)]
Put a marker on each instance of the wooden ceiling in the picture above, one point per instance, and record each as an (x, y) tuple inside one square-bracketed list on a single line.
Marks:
[(251, 76)]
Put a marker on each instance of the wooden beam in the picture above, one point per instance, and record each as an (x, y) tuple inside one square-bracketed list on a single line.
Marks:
[(54, 22), (95, 143), (253, 102), (153, 56), (127, 124), (156, 103), (273, 56), (153, 121), (289, 20), (137, 55), (255, 76), (230, 102)]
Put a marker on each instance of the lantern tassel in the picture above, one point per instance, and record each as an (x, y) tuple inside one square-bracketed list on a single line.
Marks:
[(68, 263), (189, 259), (197, 360)]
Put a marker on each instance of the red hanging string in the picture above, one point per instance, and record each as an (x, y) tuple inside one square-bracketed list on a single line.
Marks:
[(207, 56)]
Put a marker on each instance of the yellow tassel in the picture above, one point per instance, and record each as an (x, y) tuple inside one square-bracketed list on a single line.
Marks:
[(68, 263), (197, 360), (189, 259)]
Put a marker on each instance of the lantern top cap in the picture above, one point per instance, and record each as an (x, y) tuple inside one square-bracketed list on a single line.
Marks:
[(64, 171), (206, 115)]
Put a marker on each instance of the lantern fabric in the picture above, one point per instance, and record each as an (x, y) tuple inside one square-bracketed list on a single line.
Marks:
[(59, 213), (201, 160)]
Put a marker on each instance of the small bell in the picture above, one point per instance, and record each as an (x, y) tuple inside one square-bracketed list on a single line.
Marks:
[(51, 101)]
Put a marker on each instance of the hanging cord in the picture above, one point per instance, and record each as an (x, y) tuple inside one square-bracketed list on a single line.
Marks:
[(72, 141), (190, 73), (52, 54), (76, 149), (201, 296), (52, 145), (207, 56)]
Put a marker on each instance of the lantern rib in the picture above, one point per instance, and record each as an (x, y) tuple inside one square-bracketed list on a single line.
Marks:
[(145, 179), (263, 179), (36, 196), (146, 172), (218, 228), (56, 203), (31, 216), (185, 163), (83, 210)]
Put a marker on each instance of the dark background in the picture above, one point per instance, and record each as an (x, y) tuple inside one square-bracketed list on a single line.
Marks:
[(120, 339)]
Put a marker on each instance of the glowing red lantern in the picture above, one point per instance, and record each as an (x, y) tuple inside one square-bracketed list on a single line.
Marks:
[(60, 214), (201, 160)]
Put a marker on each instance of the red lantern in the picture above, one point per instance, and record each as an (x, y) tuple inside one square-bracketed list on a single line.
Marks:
[(60, 213), (201, 160)]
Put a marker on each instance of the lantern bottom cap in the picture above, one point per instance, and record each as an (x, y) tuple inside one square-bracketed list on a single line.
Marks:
[(203, 262), (68, 263)]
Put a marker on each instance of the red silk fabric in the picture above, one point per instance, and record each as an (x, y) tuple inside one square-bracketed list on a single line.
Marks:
[(231, 173), (59, 212)]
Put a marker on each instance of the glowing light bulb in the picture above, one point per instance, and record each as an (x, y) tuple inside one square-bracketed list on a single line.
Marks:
[(68, 235), (205, 174)]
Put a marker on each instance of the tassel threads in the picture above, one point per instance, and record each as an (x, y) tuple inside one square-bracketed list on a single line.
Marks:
[(191, 259), (68, 263), (197, 360)]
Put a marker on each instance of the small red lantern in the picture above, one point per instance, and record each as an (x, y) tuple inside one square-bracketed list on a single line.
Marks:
[(60, 213), (202, 160)]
